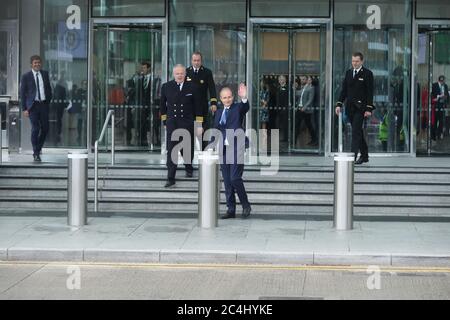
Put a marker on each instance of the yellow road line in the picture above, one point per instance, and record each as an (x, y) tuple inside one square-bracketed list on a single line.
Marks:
[(412, 269)]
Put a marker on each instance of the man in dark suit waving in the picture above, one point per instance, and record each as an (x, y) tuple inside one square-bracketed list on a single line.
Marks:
[(357, 92), (180, 108), (35, 95), (229, 121)]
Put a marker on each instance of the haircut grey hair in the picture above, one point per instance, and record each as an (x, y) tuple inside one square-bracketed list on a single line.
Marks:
[(179, 65)]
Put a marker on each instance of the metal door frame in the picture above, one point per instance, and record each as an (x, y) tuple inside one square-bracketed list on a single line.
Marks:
[(123, 22), (414, 69), (327, 22), (12, 27)]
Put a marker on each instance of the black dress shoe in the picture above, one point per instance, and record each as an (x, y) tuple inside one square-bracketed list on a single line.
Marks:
[(189, 174), (361, 160), (246, 212), (228, 215), (169, 183), (36, 158)]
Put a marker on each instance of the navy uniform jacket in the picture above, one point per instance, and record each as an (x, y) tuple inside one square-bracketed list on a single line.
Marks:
[(358, 91), (180, 107), (205, 83), (235, 120), (28, 89)]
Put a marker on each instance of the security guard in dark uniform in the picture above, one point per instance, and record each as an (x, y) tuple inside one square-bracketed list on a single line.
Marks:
[(203, 78), (357, 91), (180, 107)]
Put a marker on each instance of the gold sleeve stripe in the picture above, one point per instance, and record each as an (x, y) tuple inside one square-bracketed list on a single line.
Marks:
[(199, 119), (213, 100), (371, 107), (163, 117)]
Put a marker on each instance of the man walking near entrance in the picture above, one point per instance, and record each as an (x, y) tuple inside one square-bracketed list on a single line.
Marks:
[(203, 78), (35, 96), (180, 107), (357, 93), (439, 94)]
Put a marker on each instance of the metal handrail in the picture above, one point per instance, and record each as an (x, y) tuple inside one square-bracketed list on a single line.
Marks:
[(109, 116), (340, 143)]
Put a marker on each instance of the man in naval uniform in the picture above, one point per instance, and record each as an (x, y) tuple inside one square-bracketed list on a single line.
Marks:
[(180, 108), (203, 78), (357, 93)]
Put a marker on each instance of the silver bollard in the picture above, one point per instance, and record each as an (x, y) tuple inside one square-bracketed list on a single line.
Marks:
[(77, 187), (343, 191), (208, 189)]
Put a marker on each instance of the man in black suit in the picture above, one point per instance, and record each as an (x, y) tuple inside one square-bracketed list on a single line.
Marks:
[(181, 106), (35, 95), (357, 92), (439, 93), (203, 78)]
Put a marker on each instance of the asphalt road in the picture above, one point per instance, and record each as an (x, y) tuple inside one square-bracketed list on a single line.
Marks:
[(197, 282)]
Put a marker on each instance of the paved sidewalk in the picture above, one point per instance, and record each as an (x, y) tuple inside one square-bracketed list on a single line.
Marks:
[(253, 241)]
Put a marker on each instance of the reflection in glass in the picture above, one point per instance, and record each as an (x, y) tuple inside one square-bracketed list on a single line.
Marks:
[(127, 79), (432, 98), (387, 54), (3, 63), (288, 90), (65, 57), (128, 8), (221, 38)]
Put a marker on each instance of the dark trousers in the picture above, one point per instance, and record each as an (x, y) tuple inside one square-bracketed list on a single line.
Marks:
[(171, 126), (299, 117), (438, 127), (144, 121), (359, 143), (232, 180), (39, 125)]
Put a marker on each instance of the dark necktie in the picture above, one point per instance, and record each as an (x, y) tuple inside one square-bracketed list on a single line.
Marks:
[(179, 86), (223, 118), (196, 71), (354, 73), (38, 87)]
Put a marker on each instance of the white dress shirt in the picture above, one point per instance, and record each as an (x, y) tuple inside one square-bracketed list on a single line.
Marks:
[(41, 86)]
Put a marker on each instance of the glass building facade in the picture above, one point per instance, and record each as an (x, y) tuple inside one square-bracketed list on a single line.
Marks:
[(94, 51)]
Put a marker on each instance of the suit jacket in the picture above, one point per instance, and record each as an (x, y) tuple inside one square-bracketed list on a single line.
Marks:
[(205, 83), (183, 107), (28, 89), (235, 120), (436, 90), (307, 99), (358, 91)]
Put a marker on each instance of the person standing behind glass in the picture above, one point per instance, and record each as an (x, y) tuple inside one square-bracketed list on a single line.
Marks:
[(60, 104), (305, 107), (35, 96), (145, 99), (357, 93), (439, 93), (264, 96), (282, 106)]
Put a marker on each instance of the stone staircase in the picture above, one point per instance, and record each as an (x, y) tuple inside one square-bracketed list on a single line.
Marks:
[(294, 191)]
